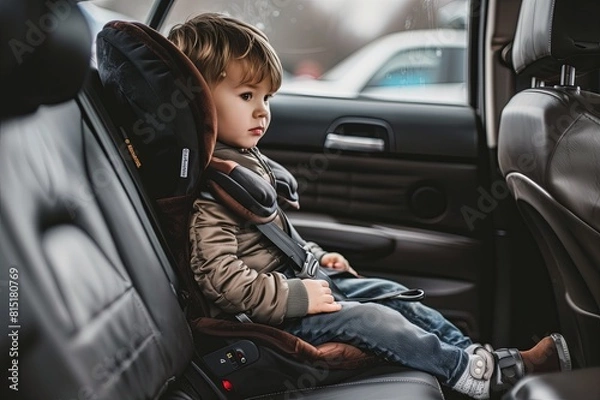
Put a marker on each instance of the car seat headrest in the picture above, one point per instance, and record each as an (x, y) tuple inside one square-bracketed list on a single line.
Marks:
[(45, 48), (163, 105), (554, 33)]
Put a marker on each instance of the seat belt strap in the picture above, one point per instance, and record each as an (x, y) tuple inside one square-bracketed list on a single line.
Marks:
[(304, 262), (309, 268)]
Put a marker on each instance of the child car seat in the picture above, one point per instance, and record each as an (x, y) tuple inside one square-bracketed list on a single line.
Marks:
[(131, 56)]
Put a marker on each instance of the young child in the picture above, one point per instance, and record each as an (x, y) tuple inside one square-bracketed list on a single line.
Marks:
[(238, 268)]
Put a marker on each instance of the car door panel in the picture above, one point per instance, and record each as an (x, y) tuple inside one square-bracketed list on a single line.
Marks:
[(386, 190), (393, 249), (396, 213), (423, 130)]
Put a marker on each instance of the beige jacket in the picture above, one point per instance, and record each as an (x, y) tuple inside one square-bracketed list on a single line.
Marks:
[(234, 264)]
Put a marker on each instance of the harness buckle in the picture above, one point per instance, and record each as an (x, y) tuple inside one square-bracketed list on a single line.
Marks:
[(309, 268)]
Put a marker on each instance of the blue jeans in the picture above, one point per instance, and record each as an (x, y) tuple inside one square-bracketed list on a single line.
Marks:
[(407, 333)]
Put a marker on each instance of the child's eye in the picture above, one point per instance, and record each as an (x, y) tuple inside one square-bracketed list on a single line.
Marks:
[(246, 96), (267, 98)]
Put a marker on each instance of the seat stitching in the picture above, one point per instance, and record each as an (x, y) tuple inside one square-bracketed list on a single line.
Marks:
[(551, 25), (127, 362), (94, 316), (553, 152)]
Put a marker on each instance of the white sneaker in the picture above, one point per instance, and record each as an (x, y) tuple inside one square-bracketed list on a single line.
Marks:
[(471, 348), (475, 380)]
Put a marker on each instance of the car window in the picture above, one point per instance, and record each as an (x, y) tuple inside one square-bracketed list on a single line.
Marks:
[(99, 12), (137, 10), (356, 49)]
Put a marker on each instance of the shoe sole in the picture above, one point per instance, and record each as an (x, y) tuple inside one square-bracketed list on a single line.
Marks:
[(564, 356)]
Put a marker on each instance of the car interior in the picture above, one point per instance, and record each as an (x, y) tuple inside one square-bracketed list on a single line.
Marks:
[(491, 209)]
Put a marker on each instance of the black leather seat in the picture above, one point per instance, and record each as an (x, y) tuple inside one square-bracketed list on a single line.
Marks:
[(549, 153), (98, 313), (582, 384)]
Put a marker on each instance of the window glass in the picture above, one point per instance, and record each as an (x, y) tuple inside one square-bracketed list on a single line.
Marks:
[(137, 10), (99, 12), (395, 50), (410, 67)]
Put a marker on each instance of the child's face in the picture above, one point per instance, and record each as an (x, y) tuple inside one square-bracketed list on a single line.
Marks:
[(243, 113)]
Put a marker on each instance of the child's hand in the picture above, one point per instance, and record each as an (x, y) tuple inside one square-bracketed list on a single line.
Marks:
[(320, 299), (337, 261)]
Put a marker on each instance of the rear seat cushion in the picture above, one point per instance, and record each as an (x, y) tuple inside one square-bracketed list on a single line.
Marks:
[(406, 385)]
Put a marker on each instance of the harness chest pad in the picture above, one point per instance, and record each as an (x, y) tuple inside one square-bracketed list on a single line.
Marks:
[(246, 193), (242, 191), (285, 184)]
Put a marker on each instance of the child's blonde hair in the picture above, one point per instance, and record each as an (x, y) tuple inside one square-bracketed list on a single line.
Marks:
[(212, 41)]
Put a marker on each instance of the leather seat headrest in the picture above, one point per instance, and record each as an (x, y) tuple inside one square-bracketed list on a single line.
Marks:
[(554, 33), (45, 48)]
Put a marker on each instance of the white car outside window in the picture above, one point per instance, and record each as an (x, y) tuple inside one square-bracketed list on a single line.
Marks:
[(418, 66)]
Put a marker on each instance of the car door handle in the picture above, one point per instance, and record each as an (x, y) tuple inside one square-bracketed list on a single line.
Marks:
[(357, 143)]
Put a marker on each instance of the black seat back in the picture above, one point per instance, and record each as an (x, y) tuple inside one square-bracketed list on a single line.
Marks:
[(99, 316), (549, 152)]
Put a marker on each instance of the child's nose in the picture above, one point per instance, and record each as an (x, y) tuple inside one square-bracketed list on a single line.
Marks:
[(261, 111)]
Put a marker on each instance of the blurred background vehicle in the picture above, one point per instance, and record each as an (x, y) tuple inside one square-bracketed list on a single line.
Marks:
[(401, 50), (419, 65)]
